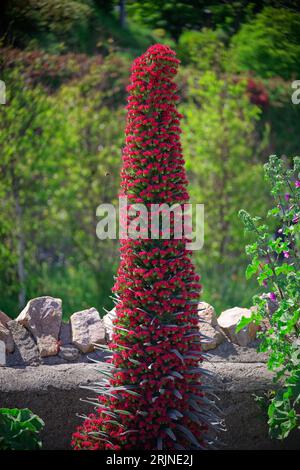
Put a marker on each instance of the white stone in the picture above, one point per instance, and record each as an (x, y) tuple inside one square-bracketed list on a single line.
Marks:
[(212, 337), (207, 313), (108, 323), (42, 317), (87, 329), (228, 321), (2, 353), (208, 327), (5, 334)]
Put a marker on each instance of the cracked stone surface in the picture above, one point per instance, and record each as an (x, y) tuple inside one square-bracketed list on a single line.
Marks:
[(54, 393), (26, 351), (230, 352)]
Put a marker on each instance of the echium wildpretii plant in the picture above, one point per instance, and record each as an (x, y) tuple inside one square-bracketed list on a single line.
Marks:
[(152, 396), (275, 262)]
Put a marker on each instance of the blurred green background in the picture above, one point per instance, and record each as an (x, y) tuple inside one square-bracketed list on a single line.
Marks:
[(66, 64)]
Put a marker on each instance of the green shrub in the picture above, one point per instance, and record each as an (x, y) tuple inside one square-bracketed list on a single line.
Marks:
[(275, 264), (204, 49), (19, 429), (282, 116), (269, 45)]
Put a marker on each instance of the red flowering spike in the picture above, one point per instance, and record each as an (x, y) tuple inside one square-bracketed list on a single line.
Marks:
[(153, 396)]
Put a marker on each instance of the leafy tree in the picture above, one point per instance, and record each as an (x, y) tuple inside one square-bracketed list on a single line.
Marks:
[(172, 16), (25, 20), (58, 26), (192, 15), (204, 49), (105, 5), (26, 167), (59, 161), (223, 160), (269, 45), (229, 16), (90, 167), (282, 117)]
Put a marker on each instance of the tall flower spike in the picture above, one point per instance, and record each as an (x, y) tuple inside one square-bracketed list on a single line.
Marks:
[(152, 396)]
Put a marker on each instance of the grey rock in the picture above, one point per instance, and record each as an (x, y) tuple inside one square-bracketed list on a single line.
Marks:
[(2, 353), (65, 335), (60, 377), (108, 324), (4, 319), (26, 351), (5, 334), (210, 337), (6, 337), (42, 317), (212, 334), (207, 313), (69, 353), (87, 329), (53, 360)]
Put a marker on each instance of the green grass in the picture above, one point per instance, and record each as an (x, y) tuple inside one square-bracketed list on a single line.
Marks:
[(225, 287), (77, 286)]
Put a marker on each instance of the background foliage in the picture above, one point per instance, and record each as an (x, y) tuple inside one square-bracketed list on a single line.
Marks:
[(66, 66)]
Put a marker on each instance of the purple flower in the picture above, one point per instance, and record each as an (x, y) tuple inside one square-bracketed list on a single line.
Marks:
[(286, 254), (297, 184), (287, 196), (272, 296), (296, 219), (280, 230), (265, 284)]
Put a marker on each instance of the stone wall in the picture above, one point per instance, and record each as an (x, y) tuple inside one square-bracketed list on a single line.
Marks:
[(47, 360), (53, 392)]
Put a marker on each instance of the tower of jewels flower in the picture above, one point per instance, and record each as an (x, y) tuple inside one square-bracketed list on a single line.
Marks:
[(152, 396)]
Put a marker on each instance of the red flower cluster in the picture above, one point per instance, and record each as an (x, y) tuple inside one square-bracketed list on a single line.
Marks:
[(153, 397), (257, 93)]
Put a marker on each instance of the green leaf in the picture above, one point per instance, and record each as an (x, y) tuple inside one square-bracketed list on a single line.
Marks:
[(19, 429), (244, 321), (252, 268)]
